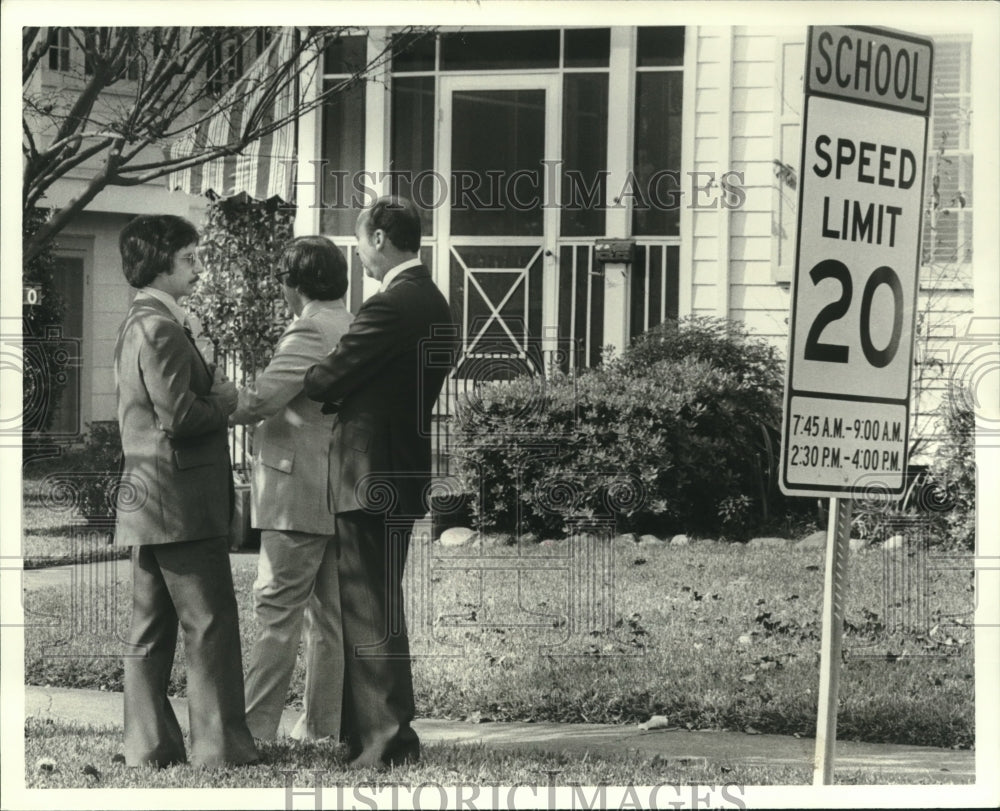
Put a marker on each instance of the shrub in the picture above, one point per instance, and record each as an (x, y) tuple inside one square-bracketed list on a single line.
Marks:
[(756, 368), (953, 470), (941, 500), (663, 438), (91, 472)]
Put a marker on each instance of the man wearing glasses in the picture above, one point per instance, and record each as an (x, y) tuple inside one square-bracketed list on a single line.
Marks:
[(297, 570), (172, 410)]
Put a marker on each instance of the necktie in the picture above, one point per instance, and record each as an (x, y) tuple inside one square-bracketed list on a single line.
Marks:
[(190, 337)]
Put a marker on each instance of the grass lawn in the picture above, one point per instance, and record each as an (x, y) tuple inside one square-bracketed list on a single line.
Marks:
[(61, 755), (52, 532), (711, 635)]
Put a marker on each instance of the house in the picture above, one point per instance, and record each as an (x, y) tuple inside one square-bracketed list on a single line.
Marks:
[(580, 186), (568, 149)]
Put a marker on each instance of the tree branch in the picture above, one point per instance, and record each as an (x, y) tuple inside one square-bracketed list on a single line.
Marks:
[(78, 117), (33, 48), (30, 148), (62, 217), (41, 183), (167, 107)]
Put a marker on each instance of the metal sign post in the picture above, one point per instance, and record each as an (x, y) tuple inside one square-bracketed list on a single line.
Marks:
[(845, 425), (834, 598)]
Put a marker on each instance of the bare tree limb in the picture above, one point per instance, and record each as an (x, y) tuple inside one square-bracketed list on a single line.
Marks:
[(172, 96), (60, 219), (44, 182), (33, 48)]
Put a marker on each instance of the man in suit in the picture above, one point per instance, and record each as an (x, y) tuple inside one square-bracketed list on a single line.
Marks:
[(297, 567), (376, 384), (172, 412)]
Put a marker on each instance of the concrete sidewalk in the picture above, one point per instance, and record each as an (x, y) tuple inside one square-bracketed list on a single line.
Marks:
[(898, 763), (107, 571)]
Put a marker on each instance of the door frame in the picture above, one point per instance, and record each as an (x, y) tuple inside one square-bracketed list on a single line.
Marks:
[(551, 84), (74, 246)]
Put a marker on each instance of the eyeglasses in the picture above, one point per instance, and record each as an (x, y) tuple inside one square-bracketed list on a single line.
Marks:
[(282, 275), (190, 259)]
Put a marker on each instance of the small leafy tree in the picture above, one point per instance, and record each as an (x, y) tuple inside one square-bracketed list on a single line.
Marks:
[(953, 471), (239, 300)]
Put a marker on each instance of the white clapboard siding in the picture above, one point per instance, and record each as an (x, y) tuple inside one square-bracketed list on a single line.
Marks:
[(750, 272), (754, 298)]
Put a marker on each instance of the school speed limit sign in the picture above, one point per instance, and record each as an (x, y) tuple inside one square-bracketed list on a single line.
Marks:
[(853, 302)]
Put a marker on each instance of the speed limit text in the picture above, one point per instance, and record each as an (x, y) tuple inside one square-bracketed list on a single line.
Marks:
[(868, 162)]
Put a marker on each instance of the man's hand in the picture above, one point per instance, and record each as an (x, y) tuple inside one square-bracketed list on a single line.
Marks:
[(225, 391)]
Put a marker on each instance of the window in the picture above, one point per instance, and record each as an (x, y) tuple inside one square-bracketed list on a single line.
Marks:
[(503, 50), (660, 47), (343, 134), (225, 64), (587, 48), (582, 55), (412, 52), (96, 41), (345, 55), (585, 154), (784, 185), (58, 49), (263, 39), (546, 49), (659, 91), (413, 116)]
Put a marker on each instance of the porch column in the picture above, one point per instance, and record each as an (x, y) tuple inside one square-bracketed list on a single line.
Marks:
[(618, 223), (377, 113), (309, 172)]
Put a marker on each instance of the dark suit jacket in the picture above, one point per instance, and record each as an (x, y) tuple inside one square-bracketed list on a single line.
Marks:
[(174, 433), (383, 394)]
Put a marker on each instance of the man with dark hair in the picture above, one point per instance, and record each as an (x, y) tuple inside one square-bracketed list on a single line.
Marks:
[(172, 410), (297, 567), (376, 384)]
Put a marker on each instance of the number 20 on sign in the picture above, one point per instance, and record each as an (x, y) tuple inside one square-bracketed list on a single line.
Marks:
[(846, 410)]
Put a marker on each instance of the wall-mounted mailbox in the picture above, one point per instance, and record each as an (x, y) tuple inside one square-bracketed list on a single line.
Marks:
[(614, 250)]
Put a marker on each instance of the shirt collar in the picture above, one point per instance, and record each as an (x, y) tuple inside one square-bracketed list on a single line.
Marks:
[(176, 310), (394, 272), (316, 305)]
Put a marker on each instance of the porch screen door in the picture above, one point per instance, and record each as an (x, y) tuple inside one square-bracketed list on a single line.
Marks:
[(499, 136)]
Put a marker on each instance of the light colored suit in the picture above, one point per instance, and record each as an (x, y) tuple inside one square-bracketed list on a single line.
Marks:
[(291, 458), (297, 569), (175, 453), (173, 433)]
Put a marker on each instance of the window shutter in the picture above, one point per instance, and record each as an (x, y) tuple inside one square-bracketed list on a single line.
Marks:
[(790, 65), (947, 234)]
